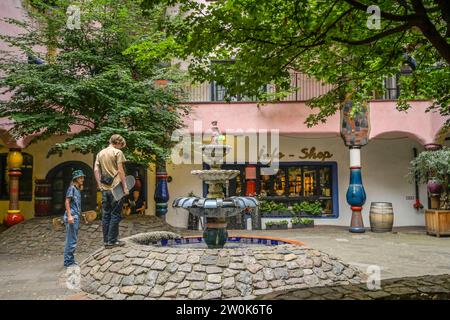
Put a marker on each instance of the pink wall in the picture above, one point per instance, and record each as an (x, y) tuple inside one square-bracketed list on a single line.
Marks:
[(289, 118)]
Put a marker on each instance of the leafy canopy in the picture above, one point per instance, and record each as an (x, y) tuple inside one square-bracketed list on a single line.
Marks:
[(92, 81), (325, 39)]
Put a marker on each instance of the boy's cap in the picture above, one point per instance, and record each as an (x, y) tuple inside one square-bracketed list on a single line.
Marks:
[(77, 174)]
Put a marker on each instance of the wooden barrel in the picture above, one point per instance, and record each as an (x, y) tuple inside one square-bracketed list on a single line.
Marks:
[(42, 206), (381, 217), (42, 188), (42, 198)]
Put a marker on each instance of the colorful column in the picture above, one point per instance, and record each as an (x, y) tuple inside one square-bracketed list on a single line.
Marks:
[(161, 192), (356, 195), (14, 161), (355, 133)]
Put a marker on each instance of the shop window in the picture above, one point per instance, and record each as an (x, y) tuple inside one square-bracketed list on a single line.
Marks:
[(25, 180), (294, 182)]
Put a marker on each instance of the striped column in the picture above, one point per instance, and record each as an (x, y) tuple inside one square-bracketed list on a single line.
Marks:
[(356, 195), (161, 191), (15, 161)]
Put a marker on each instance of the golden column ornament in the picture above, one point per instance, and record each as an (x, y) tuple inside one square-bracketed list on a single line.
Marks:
[(14, 161)]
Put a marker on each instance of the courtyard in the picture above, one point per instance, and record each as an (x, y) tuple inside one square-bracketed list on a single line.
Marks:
[(224, 150), (31, 263)]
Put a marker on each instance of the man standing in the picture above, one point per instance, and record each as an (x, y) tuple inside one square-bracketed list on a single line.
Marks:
[(109, 172)]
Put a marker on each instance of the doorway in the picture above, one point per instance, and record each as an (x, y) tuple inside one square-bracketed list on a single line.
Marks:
[(60, 178)]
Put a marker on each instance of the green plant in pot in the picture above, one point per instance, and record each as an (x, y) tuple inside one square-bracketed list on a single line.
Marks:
[(310, 208), (433, 168), (269, 206)]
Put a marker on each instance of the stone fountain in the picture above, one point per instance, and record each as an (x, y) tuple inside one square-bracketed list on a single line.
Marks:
[(215, 208)]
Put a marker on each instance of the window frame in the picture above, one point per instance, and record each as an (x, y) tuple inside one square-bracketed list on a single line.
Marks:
[(285, 198), (4, 195)]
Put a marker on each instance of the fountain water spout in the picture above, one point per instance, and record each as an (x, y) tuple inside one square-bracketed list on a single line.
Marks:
[(217, 206)]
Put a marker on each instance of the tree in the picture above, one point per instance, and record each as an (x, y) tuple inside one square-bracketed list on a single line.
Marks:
[(326, 39), (93, 83)]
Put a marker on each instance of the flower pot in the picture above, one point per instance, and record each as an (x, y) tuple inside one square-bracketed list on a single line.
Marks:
[(434, 202), (434, 187), (303, 225), (437, 222), (277, 227)]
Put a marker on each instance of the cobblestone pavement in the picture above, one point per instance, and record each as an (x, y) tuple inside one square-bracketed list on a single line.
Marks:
[(31, 260), (417, 288), (38, 237), (140, 271), (405, 252), (36, 272)]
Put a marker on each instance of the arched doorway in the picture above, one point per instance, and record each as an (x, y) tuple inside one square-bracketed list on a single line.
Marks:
[(60, 178)]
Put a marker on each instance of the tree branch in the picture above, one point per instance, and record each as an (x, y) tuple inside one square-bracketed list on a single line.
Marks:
[(378, 36), (389, 16), (430, 32)]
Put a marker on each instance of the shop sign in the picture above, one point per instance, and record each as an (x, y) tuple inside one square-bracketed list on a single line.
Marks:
[(313, 154)]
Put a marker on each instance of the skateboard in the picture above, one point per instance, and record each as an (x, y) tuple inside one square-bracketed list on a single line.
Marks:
[(117, 191)]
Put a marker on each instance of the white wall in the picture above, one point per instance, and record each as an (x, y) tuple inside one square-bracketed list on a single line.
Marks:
[(384, 167), (182, 184)]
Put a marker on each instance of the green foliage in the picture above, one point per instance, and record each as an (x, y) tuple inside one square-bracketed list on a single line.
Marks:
[(277, 223), (312, 208), (431, 164), (95, 84), (297, 220), (269, 206), (327, 40)]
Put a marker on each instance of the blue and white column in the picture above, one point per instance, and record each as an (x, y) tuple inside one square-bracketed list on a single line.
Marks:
[(356, 195)]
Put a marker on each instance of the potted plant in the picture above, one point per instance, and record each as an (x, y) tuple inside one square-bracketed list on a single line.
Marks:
[(433, 168), (308, 208), (277, 225), (298, 222), (273, 208)]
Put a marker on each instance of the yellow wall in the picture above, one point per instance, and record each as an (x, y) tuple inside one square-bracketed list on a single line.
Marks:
[(41, 166)]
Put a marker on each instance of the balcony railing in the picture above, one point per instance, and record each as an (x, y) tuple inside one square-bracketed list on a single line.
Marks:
[(306, 88)]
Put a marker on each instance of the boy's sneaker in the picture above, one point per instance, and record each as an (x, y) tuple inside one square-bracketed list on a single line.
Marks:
[(115, 244), (72, 265)]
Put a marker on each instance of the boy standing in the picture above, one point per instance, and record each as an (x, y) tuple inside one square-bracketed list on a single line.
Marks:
[(109, 172), (72, 216)]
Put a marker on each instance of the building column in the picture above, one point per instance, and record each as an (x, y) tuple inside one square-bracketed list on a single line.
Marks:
[(14, 161), (355, 128), (356, 195), (161, 191)]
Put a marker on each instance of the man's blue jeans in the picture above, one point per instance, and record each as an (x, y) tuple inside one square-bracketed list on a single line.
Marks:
[(111, 216), (71, 240)]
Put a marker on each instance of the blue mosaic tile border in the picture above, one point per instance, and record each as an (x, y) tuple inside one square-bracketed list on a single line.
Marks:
[(174, 242)]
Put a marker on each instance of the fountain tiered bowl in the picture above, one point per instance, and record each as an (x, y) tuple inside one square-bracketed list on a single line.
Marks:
[(215, 208)]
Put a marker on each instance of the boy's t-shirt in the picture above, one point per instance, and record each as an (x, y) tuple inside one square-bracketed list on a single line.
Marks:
[(108, 160), (75, 202)]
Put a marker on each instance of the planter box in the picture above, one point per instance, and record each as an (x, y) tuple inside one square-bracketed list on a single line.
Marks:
[(277, 227), (301, 225), (277, 213), (437, 222)]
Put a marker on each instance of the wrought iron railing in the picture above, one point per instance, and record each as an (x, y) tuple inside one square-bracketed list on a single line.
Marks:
[(305, 89)]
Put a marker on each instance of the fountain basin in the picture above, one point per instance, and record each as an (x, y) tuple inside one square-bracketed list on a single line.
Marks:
[(215, 175), (146, 268)]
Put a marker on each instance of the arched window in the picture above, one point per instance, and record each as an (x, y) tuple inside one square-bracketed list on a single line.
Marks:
[(60, 178), (25, 180)]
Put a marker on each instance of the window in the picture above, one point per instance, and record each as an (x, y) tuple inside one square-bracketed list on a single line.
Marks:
[(218, 92), (293, 183), (25, 180)]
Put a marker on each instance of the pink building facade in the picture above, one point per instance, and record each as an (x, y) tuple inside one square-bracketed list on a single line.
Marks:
[(314, 162)]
